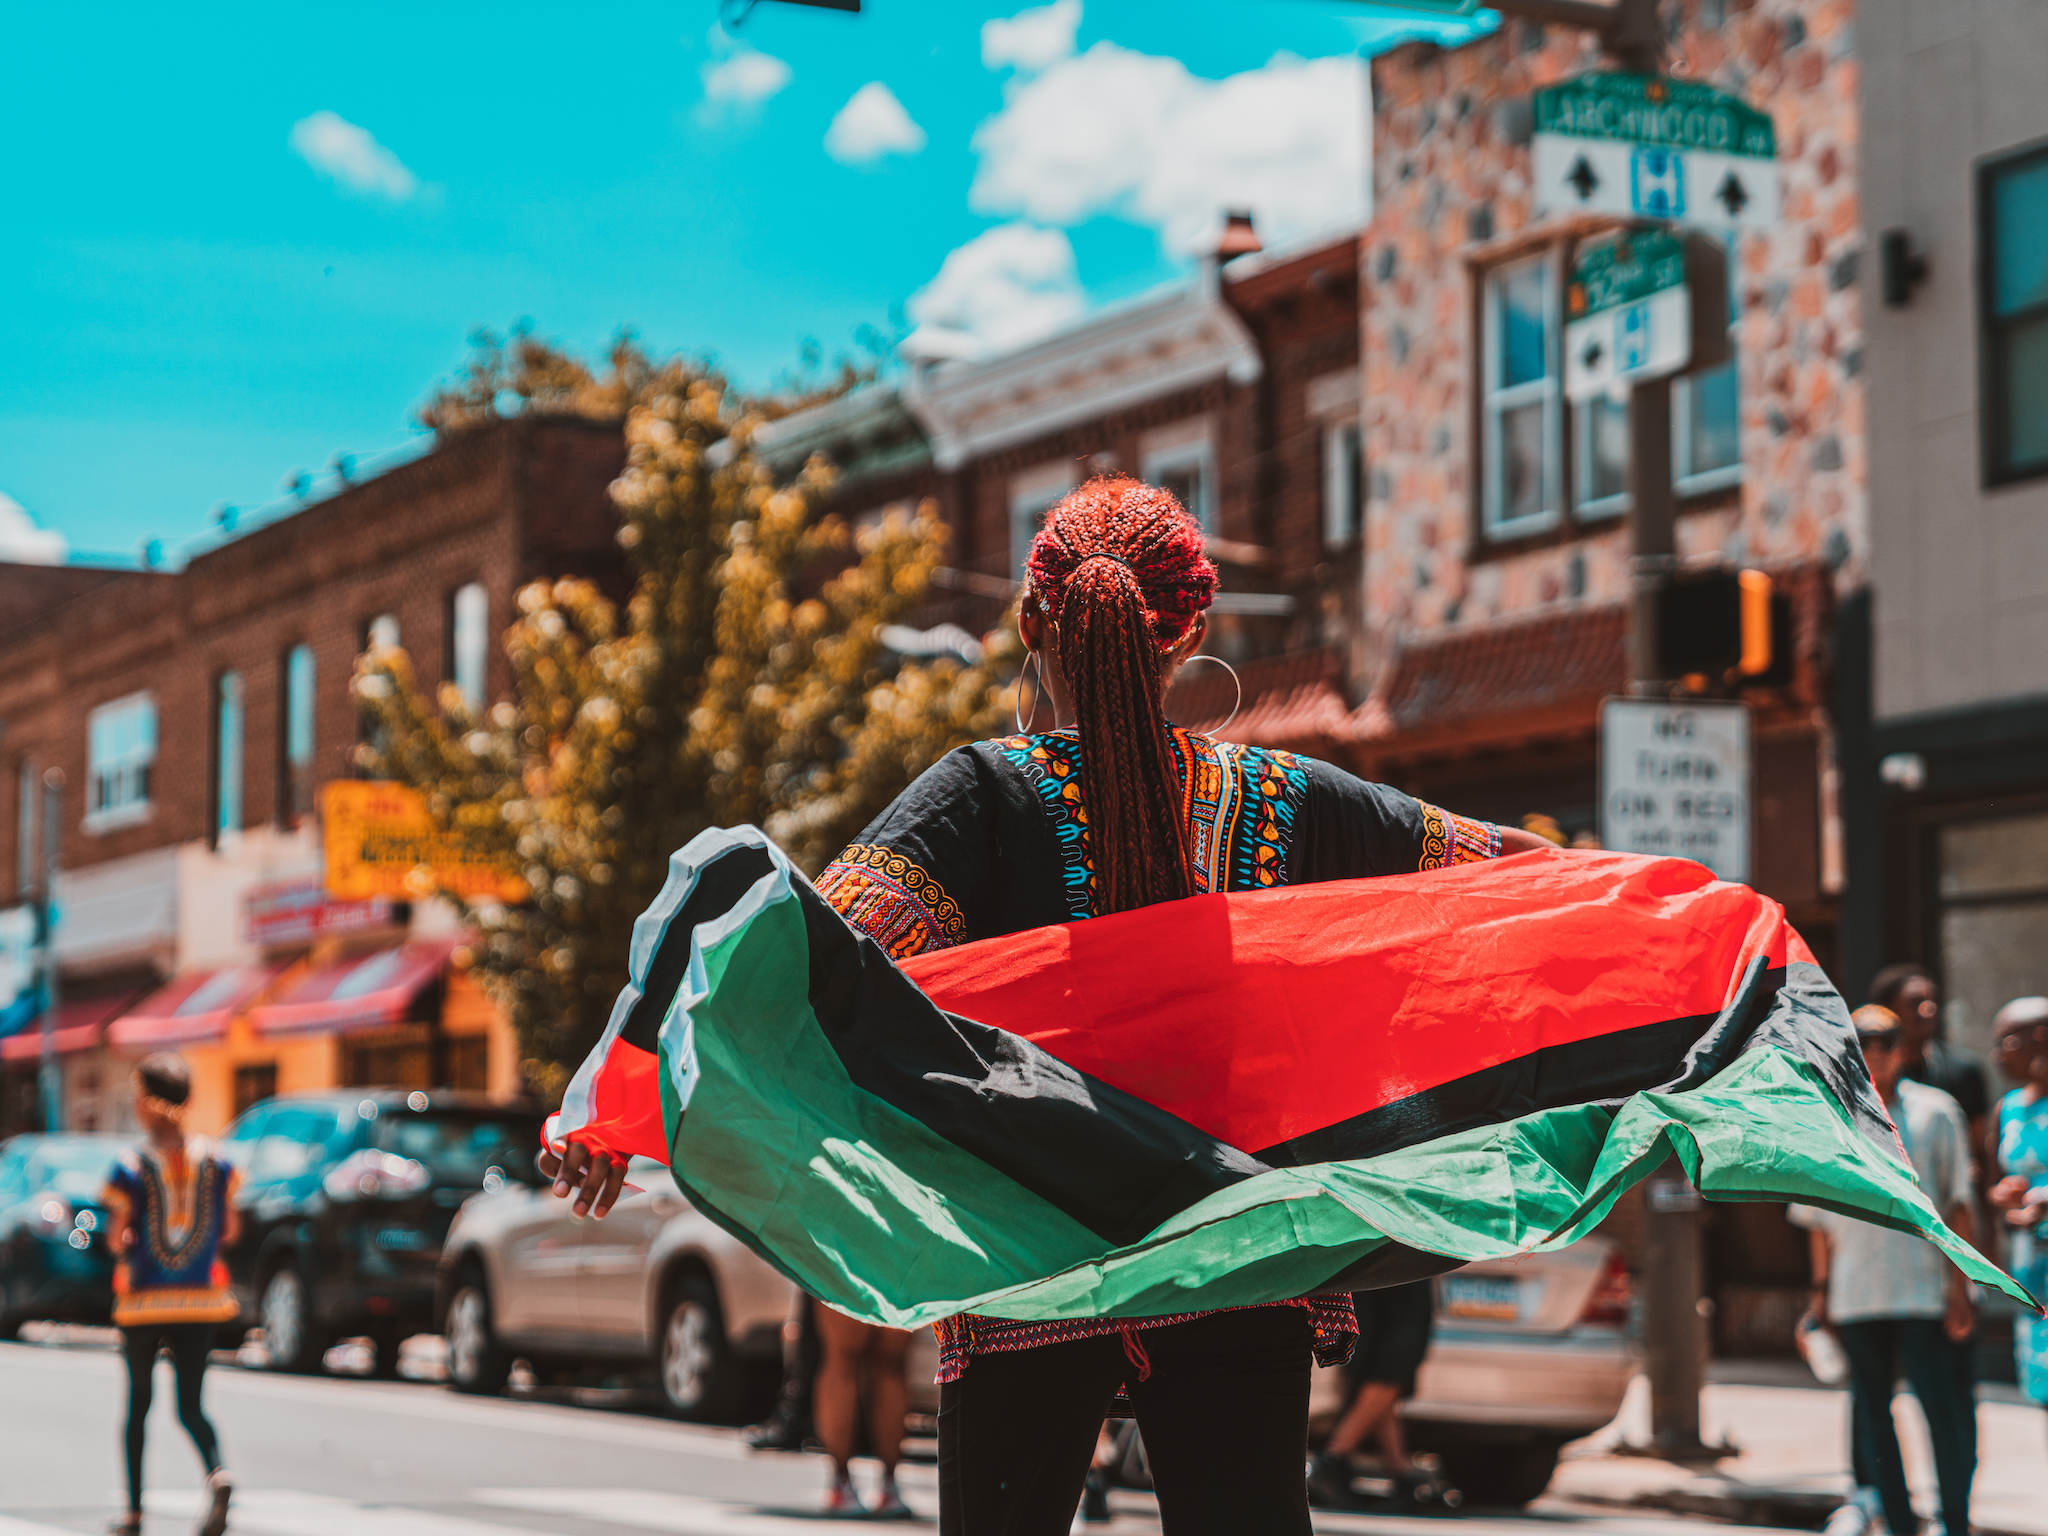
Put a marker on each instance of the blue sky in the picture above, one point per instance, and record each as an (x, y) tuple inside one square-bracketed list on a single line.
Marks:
[(243, 242)]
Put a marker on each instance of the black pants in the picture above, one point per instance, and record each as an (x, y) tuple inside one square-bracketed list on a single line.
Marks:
[(1880, 1350), (1224, 1411), (188, 1344)]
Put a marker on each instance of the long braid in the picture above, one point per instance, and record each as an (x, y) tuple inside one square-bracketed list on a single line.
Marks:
[(1119, 571)]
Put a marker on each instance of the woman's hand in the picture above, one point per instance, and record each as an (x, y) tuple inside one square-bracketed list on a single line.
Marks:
[(594, 1178)]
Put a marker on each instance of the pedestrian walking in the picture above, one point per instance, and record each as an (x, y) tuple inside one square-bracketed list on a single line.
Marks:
[(1896, 1303), (2020, 1193), (171, 1205), (863, 1367), (1394, 1326)]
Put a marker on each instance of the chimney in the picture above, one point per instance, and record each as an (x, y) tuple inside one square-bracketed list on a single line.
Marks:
[(1238, 239)]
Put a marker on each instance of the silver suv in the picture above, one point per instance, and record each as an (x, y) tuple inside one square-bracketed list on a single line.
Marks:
[(656, 1286)]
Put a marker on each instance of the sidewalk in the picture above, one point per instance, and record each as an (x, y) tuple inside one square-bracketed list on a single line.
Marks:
[(1792, 1464)]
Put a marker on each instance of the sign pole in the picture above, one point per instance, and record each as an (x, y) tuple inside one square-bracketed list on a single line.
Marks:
[(1653, 546), (50, 1082)]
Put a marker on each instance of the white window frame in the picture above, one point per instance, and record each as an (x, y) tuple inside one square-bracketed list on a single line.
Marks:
[(137, 761), (1343, 490), (1193, 451), (1031, 495), (1682, 477), (382, 633), (1496, 399), (1586, 507), (469, 642)]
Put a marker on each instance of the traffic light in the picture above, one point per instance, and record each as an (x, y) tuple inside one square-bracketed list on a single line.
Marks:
[(1724, 629)]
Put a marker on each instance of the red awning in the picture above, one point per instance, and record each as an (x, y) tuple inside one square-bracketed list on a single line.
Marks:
[(76, 1028), (361, 992), (196, 1006)]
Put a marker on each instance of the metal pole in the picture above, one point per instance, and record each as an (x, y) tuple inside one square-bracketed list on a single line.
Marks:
[(49, 1080), (1653, 519)]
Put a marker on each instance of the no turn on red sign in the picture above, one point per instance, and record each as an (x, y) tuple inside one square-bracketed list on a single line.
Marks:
[(1675, 781)]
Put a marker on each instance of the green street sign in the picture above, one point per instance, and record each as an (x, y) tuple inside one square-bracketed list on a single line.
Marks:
[(1645, 147), (1655, 112), (1617, 272)]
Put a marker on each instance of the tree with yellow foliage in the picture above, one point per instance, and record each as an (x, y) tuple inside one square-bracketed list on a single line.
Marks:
[(717, 696)]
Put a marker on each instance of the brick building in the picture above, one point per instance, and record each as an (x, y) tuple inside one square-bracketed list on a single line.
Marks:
[(1239, 391), (1497, 548), (194, 717)]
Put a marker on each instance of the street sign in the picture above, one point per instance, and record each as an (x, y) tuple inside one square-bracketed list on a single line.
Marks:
[(283, 912), (1628, 313), (1674, 780), (1643, 146), (381, 841)]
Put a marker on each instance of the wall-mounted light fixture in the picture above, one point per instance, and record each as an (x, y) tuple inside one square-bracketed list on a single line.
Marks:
[(1902, 268)]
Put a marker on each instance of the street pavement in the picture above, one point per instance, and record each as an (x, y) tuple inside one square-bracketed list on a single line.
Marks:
[(340, 1456)]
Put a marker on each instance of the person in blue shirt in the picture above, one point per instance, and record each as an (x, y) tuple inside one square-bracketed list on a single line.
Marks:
[(2019, 1151)]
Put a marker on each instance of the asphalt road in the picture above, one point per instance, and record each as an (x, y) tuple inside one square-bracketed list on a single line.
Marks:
[(352, 1457)]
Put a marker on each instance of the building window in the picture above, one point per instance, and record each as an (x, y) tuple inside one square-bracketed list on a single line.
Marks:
[(121, 756), (1600, 457), (469, 642), (1343, 481), (1522, 399), (1188, 471), (1706, 430), (381, 633), (1031, 497), (1991, 896), (2012, 212), (28, 874), (295, 783), (227, 766), (254, 1083)]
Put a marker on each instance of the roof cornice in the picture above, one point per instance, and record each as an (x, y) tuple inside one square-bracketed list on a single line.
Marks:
[(1113, 361)]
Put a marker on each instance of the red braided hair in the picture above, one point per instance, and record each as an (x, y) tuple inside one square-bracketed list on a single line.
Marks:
[(1119, 573)]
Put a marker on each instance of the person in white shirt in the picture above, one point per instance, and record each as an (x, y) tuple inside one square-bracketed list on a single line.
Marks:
[(1897, 1305)]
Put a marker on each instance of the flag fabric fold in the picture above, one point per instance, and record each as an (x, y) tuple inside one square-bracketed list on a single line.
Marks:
[(1231, 1099)]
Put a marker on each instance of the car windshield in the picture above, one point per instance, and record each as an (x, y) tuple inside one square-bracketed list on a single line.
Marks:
[(74, 1168), (462, 1149)]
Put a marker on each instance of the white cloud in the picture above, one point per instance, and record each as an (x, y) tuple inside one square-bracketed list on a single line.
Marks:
[(1117, 132), (872, 124), (337, 148), (22, 542), (1005, 288), (739, 77), (1031, 40)]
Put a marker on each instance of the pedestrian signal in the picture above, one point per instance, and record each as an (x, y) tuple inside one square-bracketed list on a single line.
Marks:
[(1722, 630)]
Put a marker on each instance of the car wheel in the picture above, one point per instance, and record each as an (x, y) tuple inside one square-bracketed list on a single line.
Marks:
[(1506, 1476), (700, 1379), (286, 1315), (477, 1362)]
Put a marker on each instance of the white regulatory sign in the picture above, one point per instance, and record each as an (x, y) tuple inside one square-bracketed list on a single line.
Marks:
[(1674, 780)]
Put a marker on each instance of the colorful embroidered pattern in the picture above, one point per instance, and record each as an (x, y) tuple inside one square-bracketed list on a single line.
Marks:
[(891, 899), (173, 1273), (966, 1335), (1051, 762), (1452, 839)]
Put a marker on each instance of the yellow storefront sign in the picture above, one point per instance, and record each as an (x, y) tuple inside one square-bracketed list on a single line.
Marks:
[(381, 841)]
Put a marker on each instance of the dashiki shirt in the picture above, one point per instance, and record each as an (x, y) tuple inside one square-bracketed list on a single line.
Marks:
[(2023, 1149), (172, 1271), (993, 839)]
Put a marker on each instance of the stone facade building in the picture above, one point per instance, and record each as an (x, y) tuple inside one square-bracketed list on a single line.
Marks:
[(195, 716)]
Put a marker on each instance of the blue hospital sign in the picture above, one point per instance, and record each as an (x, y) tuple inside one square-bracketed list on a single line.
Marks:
[(1647, 147)]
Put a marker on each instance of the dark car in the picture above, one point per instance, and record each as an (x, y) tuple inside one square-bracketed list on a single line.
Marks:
[(55, 1262), (345, 1199)]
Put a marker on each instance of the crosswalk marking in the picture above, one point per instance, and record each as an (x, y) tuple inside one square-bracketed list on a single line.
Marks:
[(286, 1512), (647, 1509)]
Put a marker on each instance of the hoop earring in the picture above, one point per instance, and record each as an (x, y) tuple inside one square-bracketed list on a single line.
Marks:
[(1017, 707), (1226, 666)]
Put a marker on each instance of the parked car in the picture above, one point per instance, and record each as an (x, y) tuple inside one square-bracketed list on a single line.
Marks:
[(55, 1261), (1528, 1354), (345, 1199), (655, 1288)]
